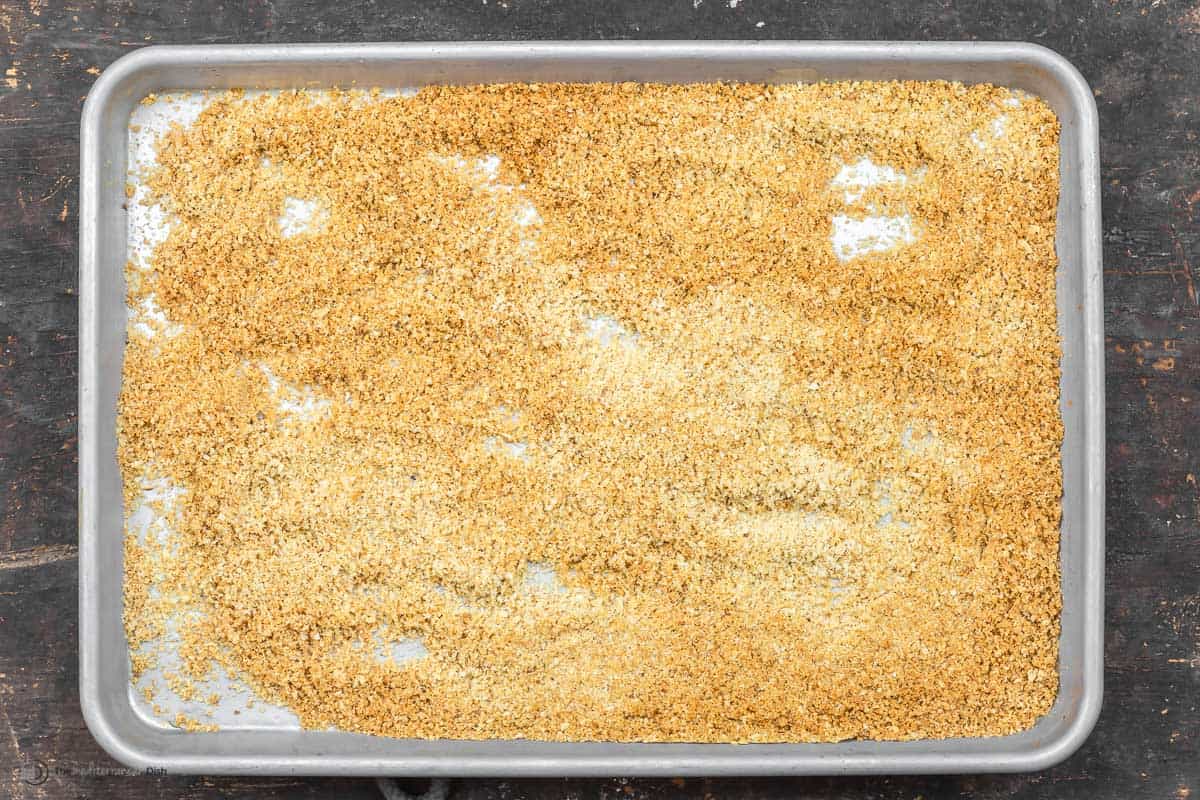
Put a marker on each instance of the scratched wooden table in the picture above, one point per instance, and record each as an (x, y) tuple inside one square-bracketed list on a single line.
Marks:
[(1142, 58)]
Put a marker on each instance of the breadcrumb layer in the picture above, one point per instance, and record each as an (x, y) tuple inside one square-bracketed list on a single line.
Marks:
[(569, 384)]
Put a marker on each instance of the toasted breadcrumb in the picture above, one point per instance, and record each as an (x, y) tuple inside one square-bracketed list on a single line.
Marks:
[(568, 385), (186, 723)]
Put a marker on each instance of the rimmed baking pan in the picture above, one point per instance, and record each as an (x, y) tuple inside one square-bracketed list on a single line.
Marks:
[(105, 692)]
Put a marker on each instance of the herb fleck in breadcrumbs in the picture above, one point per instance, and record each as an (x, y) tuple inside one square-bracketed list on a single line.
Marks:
[(568, 384)]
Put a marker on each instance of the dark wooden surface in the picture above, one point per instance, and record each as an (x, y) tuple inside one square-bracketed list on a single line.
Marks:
[(1143, 60)]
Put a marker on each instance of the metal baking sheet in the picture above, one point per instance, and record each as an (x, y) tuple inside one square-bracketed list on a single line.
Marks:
[(270, 743)]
